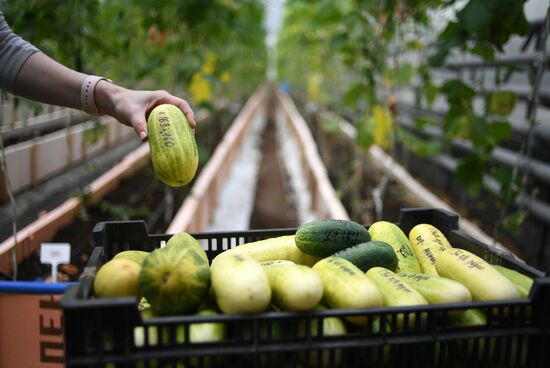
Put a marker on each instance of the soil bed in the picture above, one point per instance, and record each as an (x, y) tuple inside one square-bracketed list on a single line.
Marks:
[(272, 208), (121, 204)]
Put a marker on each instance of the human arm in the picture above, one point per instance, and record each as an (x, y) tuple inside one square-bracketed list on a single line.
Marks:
[(36, 76), (43, 79)]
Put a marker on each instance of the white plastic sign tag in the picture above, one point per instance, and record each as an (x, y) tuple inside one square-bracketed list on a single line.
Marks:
[(55, 254)]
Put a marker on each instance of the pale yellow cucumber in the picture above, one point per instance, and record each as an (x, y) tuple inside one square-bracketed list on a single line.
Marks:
[(437, 289), (276, 263), (331, 326), (470, 317), (345, 286), (240, 284), (427, 242), (522, 283), (206, 331), (293, 287), (278, 248), (483, 281), (198, 332), (481, 347), (394, 236), (395, 292)]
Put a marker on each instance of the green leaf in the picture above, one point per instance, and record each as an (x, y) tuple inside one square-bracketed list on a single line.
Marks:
[(387, 77), (430, 93), (513, 221), (486, 135), (383, 129), (32, 105), (476, 15), (328, 13), (421, 147), (452, 36), (493, 21), (204, 153), (501, 102), (93, 134), (331, 126), (436, 60), (459, 94), (457, 125), (483, 50), (420, 123), (469, 172), (355, 93), (338, 41), (365, 133), (405, 73), (480, 134), (414, 45), (123, 212), (509, 186), (499, 131)]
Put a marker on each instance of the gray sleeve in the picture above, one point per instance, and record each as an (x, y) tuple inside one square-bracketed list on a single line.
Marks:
[(14, 51)]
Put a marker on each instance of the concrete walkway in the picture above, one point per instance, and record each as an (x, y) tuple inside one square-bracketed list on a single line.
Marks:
[(236, 201)]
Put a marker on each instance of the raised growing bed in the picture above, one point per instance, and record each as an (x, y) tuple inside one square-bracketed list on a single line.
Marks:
[(73, 220)]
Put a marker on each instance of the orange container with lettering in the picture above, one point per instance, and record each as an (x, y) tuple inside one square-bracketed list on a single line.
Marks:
[(31, 324)]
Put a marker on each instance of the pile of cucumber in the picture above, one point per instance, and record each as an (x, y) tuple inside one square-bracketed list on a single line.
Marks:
[(339, 264), (342, 264)]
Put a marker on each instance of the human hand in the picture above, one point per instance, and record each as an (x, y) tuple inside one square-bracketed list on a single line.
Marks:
[(132, 107)]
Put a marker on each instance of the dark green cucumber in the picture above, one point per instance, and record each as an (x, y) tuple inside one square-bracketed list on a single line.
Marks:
[(322, 238), (370, 254)]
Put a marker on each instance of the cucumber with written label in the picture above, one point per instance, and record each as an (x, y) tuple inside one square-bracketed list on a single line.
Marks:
[(322, 238), (483, 281), (394, 236), (427, 242), (437, 289), (174, 152), (396, 292), (370, 254), (345, 286)]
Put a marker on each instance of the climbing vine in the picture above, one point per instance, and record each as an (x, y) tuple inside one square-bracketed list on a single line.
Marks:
[(365, 53)]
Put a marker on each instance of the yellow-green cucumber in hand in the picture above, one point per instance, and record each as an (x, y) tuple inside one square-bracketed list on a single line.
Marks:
[(483, 281), (293, 287), (394, 236), (427, 242), (345, 286), (437, 289), (174, 152), (240, 284)]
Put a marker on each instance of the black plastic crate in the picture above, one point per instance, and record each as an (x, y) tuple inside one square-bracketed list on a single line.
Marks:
[(100, 332)]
